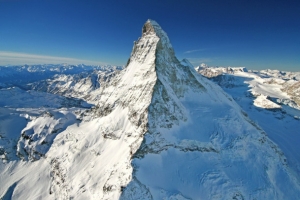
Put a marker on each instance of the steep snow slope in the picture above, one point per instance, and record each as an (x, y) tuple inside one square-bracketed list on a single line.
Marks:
[(91, 159), (159, 131), (30, 120), (260, 96), (199, 143)]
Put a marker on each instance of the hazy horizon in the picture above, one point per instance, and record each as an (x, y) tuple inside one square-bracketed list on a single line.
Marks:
[(256, 35)]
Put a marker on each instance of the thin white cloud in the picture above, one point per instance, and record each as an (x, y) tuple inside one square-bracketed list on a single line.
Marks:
[(195, 50), (16, 58)]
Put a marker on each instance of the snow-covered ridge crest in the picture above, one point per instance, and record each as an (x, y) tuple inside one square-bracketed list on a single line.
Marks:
[(198, 137), (152, 37), (151, 27), (91, 159)]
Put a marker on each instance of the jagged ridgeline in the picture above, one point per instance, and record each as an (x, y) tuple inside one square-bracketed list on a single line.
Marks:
[(198, 142), (159, 131)]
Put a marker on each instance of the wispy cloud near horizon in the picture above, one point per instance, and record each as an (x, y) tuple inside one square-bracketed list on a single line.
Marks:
[(17, 58), (192, 51)]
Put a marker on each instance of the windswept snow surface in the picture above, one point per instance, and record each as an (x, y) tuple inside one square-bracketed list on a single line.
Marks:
[(157, 130), (201, 145), (261, 94), (91, 159)]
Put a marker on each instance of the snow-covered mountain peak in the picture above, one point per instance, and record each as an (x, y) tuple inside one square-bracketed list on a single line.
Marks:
[(159, 131), (153, 39), (148, 27), (195, 124), (152, 27)]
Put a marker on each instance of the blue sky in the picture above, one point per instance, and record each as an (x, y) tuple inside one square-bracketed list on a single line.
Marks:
[(254, 34)]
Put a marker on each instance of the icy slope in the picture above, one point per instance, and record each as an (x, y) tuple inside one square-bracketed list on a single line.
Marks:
[(200, 145), (30, 120), (260, 95), (91, 159)]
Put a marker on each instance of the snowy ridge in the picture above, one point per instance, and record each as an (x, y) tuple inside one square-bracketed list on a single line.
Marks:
[(91, 159), (198, 137), (216, 71), (261, 96), (272, 88), (19, 108), (83, 85)]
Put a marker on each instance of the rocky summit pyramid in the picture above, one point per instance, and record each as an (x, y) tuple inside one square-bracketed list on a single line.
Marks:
[(159, 131), (198, 143)]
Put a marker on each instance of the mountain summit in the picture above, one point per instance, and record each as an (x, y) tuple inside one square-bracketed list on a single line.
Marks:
[(198, 142), (159, 131)]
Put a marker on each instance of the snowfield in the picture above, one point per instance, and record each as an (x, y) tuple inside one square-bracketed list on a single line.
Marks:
[(154, 129), (262, 95)]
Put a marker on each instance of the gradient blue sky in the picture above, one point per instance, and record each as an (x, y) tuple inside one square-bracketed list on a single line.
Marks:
[(254, 34)]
